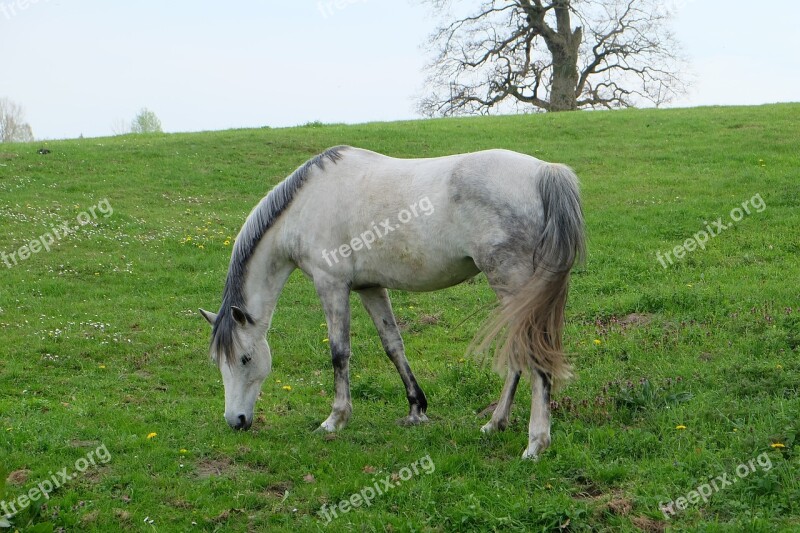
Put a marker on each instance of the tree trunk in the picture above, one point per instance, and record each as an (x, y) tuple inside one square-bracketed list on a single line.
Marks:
[(564, 45), (563, 96)]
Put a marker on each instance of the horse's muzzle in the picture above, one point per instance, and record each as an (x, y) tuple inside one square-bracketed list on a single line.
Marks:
[(241, 423)]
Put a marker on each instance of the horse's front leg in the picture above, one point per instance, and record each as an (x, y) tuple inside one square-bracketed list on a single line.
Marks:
[(335, 299), (377, 303), (539, 426)]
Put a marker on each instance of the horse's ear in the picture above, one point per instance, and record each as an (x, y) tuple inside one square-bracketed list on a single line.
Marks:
[(241, 316), (208, 315)]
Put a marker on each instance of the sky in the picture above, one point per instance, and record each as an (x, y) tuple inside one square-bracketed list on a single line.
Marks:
[(80, 67)]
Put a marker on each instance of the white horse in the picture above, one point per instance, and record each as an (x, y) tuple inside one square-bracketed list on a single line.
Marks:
[(355, 220)]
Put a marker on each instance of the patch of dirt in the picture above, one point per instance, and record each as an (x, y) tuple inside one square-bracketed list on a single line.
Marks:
[(18, 477), (122, 515), (278, 490), (94, 475), (633, 320), (181, 504), (430, 320), (636, 319), (208, 467), (614, 503), (90, 518), (224, 516), (648, 524), (620, 506)]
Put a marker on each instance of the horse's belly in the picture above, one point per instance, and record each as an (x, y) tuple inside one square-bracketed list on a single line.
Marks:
[(418, 276)]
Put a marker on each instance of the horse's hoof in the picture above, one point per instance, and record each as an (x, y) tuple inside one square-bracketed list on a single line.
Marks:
[(488, 428), (535, 447), (529, 455), (325, 428), (413, 420)]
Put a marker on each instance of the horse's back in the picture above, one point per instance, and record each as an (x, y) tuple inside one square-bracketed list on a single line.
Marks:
[(415, 224)]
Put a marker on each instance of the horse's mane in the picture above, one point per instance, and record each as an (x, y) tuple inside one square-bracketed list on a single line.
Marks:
[(260, 220)]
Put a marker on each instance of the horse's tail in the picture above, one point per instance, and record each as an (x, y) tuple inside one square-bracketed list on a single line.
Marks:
[(529, 324)]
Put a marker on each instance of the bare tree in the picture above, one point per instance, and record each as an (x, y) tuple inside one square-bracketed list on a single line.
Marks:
[(146, 122), (528, 55), (13, 127), (120, 127)]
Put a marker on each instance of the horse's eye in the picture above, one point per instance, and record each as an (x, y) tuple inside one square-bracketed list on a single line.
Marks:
[(246, 359)]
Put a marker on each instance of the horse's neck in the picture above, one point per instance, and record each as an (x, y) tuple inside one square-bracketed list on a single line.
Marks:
[(267, 273)]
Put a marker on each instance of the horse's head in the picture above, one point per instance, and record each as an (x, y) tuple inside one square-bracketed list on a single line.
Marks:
[(241, 352)]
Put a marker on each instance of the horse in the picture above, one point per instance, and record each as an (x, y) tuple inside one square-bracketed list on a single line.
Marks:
[(356, 220)]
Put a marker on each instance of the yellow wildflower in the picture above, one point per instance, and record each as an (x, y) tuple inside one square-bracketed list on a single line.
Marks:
[(681, 426), (151, 435)]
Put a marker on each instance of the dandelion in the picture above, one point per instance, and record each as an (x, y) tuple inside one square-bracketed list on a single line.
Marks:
[(227, 242), (681, 426), (597, 342), (183, 451), (779, 367), (778, 445), (201, 246), (287, 388), (326, 340), (151, 435), (101, 366), (277, 381)]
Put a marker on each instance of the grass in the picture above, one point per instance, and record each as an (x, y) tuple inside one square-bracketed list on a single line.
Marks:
[(684, 373)]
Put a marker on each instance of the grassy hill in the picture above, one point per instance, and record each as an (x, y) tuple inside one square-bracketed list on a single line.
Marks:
[(685, 371)]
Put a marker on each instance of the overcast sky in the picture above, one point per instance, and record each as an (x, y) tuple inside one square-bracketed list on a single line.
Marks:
[(79, 66)]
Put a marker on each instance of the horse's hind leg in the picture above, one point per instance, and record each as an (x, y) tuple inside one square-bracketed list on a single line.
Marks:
[(539, 426), (499, 420), (377, 303), (504, 278), (335, 300)]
